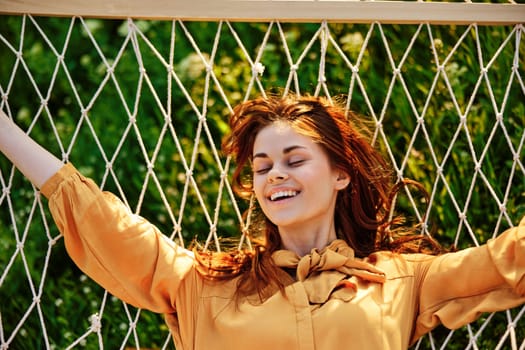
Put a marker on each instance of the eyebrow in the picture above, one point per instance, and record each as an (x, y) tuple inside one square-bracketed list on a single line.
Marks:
[(285, 151)]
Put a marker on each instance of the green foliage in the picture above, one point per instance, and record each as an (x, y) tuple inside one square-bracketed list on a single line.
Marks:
[(113, 91)]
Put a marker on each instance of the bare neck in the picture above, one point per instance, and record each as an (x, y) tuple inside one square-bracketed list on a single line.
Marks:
[(303, 239)]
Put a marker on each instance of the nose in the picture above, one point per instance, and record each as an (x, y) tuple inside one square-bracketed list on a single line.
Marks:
[(276, 175)]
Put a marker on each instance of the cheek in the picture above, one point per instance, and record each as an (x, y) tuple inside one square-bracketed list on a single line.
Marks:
[(316, 175), (258, 187), (319, 182)]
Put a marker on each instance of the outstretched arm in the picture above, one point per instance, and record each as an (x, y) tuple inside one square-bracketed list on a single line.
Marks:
[(121, 251), (34, 161)]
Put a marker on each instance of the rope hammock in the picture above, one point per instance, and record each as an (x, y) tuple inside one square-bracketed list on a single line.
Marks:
[(140, 105)]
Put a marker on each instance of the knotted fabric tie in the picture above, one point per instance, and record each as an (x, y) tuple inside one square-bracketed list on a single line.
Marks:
[(337, 262)]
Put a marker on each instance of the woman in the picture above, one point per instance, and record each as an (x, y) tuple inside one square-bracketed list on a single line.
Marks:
[(328, 272)]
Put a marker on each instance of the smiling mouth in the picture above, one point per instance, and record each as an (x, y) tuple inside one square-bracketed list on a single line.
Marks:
[(283, 195)]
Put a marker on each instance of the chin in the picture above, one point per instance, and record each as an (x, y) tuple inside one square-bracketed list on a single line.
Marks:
[(284, 222)]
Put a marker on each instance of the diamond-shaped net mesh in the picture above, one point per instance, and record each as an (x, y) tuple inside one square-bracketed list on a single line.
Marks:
[(141, 106)]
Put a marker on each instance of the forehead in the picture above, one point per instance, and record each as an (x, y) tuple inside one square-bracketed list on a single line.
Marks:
[(279, 136)]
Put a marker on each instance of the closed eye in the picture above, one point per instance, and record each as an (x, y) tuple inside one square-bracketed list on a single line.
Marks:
[(262, 171), (296, 162), (261, 167)]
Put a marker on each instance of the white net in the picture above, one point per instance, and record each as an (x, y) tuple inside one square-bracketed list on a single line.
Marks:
[(140, 106)]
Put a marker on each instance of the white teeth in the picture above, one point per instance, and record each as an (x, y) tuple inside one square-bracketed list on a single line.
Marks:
[(282, 194)]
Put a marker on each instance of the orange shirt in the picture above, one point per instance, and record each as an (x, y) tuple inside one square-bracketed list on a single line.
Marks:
[(386, 301)]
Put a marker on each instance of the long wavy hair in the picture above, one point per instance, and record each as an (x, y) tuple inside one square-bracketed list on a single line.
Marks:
[(363, 209)]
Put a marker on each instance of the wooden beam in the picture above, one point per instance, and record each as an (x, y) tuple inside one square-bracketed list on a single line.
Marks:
[(283, 10)]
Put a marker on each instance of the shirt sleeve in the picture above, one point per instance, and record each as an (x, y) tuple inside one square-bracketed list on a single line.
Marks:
[(456, 288), (121, 251)]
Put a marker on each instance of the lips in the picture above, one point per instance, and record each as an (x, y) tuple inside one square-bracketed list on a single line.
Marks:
[(279, 195)]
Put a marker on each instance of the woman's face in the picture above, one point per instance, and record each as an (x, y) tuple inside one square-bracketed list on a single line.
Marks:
[(293, 179)]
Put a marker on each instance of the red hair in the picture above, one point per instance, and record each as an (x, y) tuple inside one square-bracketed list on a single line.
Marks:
[(362, 208)]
